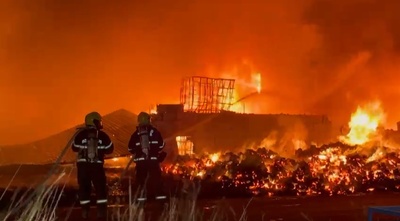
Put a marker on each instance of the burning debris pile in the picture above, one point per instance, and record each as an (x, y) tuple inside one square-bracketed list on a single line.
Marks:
[(324, 170)]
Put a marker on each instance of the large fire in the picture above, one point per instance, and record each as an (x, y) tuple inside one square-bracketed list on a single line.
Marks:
[(337, 168), (331, 169)]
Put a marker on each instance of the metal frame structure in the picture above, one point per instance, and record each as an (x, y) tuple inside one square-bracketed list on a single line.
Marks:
[(206, 95)]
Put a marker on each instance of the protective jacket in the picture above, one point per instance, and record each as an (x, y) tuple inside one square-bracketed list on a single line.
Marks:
[(91, 145), (146, 136)]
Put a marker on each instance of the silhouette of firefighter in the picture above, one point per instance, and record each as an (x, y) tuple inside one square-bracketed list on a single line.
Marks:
[(146, 144), (91, 144)]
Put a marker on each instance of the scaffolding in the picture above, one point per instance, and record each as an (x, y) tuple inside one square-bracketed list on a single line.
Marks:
[(207, 95)]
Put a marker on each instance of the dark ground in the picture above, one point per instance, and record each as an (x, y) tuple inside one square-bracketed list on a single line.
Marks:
[(337, 208)]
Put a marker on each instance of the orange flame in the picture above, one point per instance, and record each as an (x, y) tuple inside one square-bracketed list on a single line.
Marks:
[(215, 157), (364, 123), (247, 88)]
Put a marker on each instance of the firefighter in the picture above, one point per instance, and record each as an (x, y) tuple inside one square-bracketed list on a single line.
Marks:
[(91, 144), (146, 144)]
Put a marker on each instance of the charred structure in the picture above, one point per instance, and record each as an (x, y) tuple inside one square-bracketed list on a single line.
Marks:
[(206, 95), (230, 131), (204, 122)]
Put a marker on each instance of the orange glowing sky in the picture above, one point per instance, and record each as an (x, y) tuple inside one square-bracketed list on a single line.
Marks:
[(62, 59)]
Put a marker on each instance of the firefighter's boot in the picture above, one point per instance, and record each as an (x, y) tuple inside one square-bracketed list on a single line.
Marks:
[(85, 212), (142, 196), (102, 211)]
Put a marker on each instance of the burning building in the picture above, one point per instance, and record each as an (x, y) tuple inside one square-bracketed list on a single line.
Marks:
[(204, 121), (364, 159)]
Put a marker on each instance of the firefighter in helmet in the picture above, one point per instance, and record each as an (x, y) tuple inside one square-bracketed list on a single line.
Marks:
[(91, 144), (146, 144)]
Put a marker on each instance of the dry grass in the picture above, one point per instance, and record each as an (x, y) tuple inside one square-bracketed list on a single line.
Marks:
[(38, 204), (178, 209)]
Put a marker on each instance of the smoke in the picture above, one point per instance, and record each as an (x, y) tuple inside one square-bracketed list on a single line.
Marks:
[(62, 59), (358, 54), (286, 141)]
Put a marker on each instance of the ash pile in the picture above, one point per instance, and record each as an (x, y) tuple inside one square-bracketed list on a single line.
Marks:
[(333, 169)]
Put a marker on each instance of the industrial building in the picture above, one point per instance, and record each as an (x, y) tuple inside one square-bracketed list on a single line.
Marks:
[(203, 122)]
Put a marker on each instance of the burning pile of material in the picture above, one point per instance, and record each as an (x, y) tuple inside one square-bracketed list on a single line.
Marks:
[(358, 163), (324, 170)]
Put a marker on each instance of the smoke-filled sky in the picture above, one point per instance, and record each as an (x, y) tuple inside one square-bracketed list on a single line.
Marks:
[(62, 59)]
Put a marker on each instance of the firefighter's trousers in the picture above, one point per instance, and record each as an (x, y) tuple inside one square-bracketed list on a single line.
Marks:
[(148, 180), (88, 174)]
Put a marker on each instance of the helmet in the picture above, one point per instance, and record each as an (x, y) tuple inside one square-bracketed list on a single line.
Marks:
[(143, 118), (93, 119)]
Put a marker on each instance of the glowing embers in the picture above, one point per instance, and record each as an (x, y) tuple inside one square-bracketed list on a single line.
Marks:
[(185, 145)]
